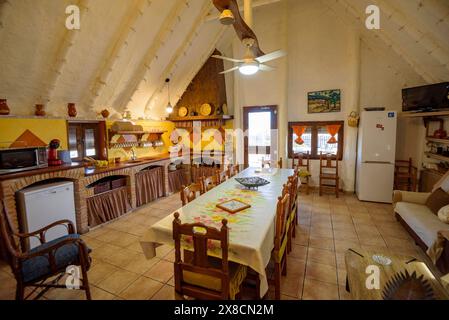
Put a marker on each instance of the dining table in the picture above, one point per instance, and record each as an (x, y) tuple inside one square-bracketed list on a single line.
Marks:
[(251, 231)]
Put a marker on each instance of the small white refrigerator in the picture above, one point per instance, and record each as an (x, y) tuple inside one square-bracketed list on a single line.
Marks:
[(39, 206), (376, 156)]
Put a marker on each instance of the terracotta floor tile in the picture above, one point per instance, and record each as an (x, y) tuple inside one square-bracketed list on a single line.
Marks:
[(100, 294), (161, 271), (317, 290), (321, 243), (121, 258), (295, 267), (124, 240), (326, 257), (142, 289), (165, 293), (140, 264), (118, 281), (321, 272), (101, 271), (343, 294), (343, 245), (292, 286), (298, 252), (321, 232)]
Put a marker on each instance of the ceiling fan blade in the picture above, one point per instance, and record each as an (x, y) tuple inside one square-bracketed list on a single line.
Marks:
[(226, 58), (271, 56), (264, 67), (229, 70)]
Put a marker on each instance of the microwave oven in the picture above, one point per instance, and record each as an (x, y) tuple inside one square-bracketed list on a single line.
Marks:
[(22, 159)]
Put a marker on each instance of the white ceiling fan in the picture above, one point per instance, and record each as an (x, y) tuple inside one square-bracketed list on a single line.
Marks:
[(250, 64)]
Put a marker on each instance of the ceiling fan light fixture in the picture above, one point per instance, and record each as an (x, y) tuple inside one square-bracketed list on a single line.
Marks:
[(226, 17), (249, 68)]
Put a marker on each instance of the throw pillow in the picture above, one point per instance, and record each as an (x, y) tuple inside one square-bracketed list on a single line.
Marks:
[(443, 214), (437, 200)]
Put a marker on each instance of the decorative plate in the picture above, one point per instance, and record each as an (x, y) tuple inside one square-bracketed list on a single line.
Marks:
[(252, 182), (206, 109), (406, 286), (233, 206), (183, 111), (381, 259)]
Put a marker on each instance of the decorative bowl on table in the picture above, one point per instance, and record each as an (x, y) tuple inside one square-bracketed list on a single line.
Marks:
[(252, 182)]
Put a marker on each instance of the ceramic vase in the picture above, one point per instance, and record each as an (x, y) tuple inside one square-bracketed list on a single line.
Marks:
[(4, 109), (40, 110), (71, 110)]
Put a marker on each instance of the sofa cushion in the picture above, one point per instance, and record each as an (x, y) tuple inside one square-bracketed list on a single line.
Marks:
[(421, 220), (438, 199), (443, 214)]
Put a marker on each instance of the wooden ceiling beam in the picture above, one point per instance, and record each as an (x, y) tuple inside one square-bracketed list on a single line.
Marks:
[(119, 44), (139, 75), (186, 44)]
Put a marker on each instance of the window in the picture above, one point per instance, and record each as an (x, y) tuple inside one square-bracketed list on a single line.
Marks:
[(85, 140), (315, 137)]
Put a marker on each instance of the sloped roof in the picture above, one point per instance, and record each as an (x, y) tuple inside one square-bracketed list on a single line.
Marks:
[(126, 48)]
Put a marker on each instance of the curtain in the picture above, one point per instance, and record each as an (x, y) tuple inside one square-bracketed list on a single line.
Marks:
[(299, 131), (176, 179), (333, 131), (149, 185), (107, 206)]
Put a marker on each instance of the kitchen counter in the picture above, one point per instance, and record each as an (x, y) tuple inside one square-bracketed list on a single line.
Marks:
[(15, 175), (127, 164)]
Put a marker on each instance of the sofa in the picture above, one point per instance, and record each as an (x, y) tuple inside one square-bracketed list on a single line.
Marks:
[(428, 231)]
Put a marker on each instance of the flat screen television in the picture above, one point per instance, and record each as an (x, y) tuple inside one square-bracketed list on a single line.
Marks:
[(426, 98)]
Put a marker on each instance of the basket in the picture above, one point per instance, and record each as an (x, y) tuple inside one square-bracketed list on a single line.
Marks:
[(353, 119)]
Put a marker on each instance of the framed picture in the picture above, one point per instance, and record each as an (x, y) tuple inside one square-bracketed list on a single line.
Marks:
[(233, 206), (324, 101)]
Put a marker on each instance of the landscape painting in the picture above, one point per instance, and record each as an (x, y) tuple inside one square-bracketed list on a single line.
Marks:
[(324, 101)]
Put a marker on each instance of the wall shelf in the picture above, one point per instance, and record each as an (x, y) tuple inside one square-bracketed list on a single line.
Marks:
[(424, 114), (201, 118), (437, 156), (435, 140)]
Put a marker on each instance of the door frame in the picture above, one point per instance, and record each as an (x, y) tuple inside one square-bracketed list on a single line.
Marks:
[(253, 109)]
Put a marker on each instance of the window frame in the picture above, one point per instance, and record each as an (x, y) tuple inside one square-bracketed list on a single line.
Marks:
[(314, 126)]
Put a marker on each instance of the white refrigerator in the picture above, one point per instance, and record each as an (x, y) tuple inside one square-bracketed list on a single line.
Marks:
[(376, 156), (42, 205)]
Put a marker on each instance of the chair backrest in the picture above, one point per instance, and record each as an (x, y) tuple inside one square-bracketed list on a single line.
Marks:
[(202, 237), (293, 190), (405, 166), (280, 163), (328, 162), (9, 242), (282, 214), (222, 176), (303, 159), (189, 193), (233, 169), (208, 183)]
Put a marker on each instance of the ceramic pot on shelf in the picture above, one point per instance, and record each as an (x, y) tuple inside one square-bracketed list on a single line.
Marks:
[(40, 110), (71, 110), (105, 113), (4, 109)]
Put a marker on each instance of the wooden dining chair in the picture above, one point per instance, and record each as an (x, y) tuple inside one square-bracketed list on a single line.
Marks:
[(201, 276), (208, 183), (329, 172), (233, 169), (190, 192), (405, 175), (222, 176), (32, 268), (280, 163), (279, 253), (303, 165), (293, 204)]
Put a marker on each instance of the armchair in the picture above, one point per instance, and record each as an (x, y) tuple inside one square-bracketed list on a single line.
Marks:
[(32, 268)]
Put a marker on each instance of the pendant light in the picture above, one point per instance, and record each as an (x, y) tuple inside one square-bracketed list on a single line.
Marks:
[(169, 107)]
